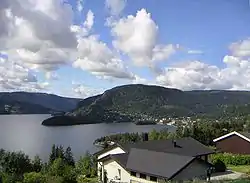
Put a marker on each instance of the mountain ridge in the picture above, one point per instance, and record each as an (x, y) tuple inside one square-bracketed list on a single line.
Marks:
[(35, 103), (137, 102)]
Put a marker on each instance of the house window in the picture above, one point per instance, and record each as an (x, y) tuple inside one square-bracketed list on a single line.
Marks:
[(154, 179), (143, 176), (133, 174)]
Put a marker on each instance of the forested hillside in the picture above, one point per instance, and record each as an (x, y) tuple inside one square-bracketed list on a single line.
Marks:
[(34, 103), (151, 103)]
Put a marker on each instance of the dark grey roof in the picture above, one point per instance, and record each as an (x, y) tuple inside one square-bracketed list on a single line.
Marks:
[(156, 163), (246, 134), (121, 159), (160, 158), (185, 146)]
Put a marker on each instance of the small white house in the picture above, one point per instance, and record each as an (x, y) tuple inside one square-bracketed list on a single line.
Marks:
[(154, 161)]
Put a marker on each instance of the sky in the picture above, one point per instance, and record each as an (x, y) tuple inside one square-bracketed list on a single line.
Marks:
[(79, 48)]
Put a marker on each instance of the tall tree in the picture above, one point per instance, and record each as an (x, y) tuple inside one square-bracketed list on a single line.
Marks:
[(84, 165), (16, 163), (60, 152), (69, 157), (52, 155), (37, 164)]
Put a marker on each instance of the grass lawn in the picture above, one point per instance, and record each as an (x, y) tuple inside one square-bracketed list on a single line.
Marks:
[(241, 181), (240, 168)]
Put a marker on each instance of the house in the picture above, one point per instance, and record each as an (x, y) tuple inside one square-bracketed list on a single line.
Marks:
[(234, 142), (154, 161)]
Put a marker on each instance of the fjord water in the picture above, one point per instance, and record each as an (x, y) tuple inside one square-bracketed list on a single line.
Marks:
[(25, 133)]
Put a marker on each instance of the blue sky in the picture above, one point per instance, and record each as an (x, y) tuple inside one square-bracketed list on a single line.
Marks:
[(203, 45)]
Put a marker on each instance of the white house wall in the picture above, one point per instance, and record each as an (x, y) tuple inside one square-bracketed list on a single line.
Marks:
[(112, 168), (137, 179), (116, 150)]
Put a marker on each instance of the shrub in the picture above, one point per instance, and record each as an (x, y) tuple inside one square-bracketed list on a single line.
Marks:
[(231, 159), (219, 166), (34, 177)]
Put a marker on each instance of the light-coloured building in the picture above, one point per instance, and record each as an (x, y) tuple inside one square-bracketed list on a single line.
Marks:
[(154, 161)]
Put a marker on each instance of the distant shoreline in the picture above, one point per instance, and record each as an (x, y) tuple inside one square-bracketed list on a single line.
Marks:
[(25, 114), (66, 121), (71, 121)]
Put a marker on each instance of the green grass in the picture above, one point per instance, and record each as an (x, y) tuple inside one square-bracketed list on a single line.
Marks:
[(240, 168), (241, 181)]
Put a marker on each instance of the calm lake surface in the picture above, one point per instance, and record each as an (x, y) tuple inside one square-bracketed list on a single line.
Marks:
[(25, 133)]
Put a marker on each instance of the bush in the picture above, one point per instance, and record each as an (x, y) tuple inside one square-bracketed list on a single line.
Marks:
[(219, 166), (231, 159), (34, 177)]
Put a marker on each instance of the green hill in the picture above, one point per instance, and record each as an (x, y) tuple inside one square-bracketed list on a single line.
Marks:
[(144, 103), (34, 103)]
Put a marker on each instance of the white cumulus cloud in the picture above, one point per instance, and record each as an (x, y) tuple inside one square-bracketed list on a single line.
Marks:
[(99, 60), (241, 48), (83, 91), (89, 20), (38, 33), (163, 52), (79, 4), (16, 77), (115, 7), (198, 75), (136, 37)]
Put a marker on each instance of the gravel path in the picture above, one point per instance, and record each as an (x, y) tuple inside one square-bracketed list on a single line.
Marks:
[(226, 175)]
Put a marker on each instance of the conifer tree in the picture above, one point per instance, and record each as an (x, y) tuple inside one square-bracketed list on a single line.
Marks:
[(52, 155), (69, 159)]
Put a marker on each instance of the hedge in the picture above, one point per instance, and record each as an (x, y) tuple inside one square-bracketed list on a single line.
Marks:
[(231, 159)]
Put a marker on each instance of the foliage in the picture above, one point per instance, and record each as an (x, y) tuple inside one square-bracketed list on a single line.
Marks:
[(87, 166), (83, 179), (60, 168), (54, 179), (160, 135), (69, 157), (52, 156), (143, 102), (204, 130), (57, 168), (219, 166), (58, 152), (34, 177), (10, 178), (121, 138), (37, 164), (15, 162), (16, 167), (231, 159)]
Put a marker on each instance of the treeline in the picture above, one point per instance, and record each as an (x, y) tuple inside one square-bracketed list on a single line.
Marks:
[(203, 130), (206, 130), (16, 167)]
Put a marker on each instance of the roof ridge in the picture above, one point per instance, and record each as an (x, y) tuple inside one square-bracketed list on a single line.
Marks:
[(232, 133), (162, 152)]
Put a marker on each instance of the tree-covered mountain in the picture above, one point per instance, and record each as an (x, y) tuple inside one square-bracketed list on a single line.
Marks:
[(145, 103), (34, 103)]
